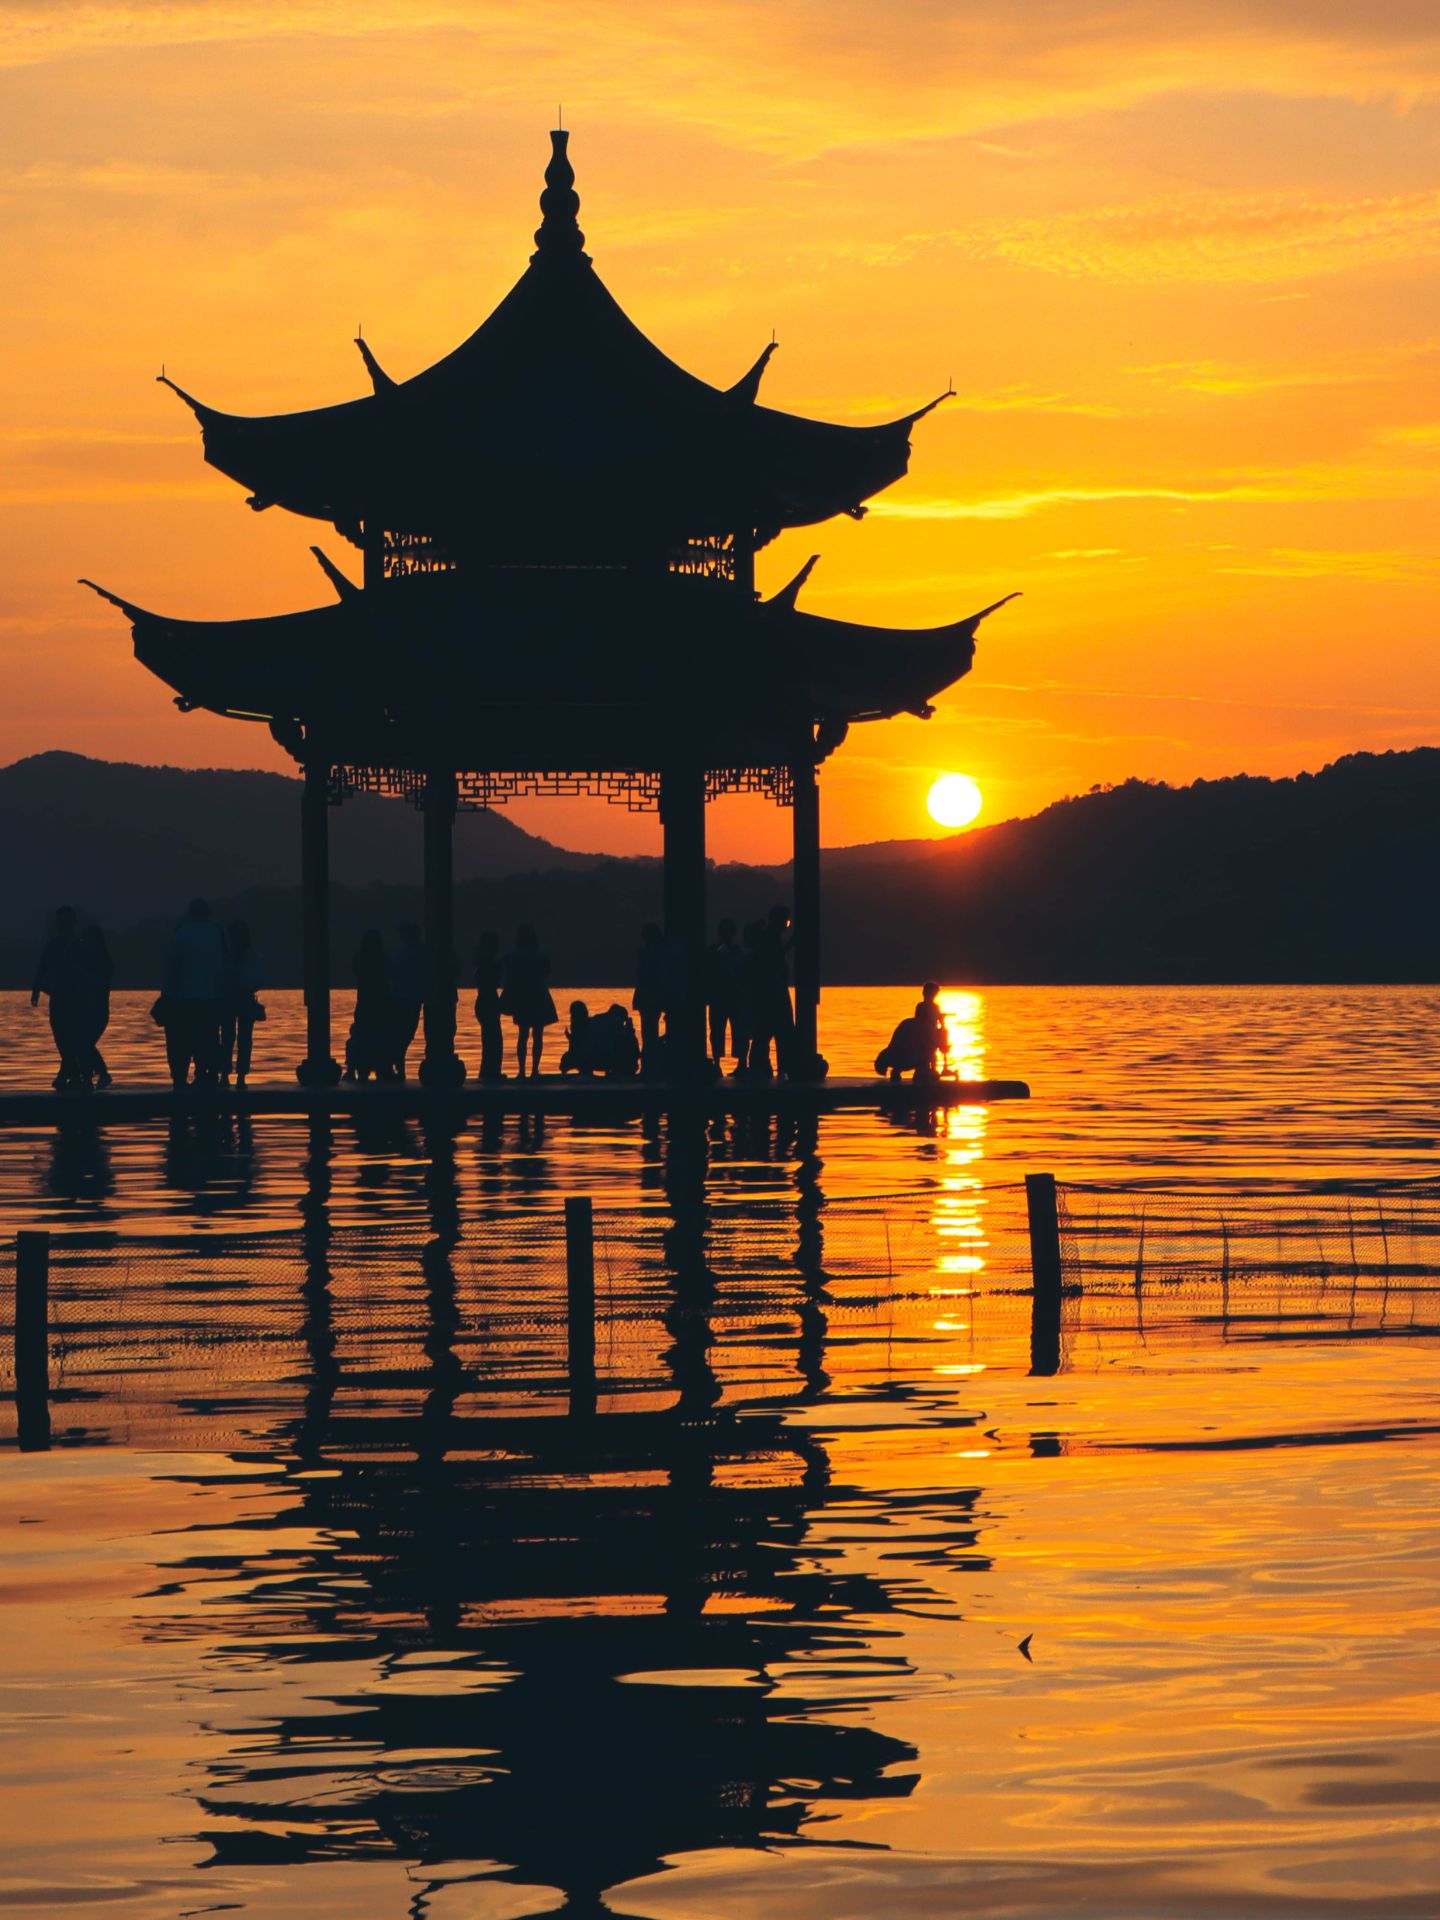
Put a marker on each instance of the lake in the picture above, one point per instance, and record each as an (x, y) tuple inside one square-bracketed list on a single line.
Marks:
[(853, 1585)]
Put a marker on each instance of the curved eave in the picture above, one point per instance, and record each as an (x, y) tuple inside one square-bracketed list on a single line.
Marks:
[(854, 672), (260, 669)]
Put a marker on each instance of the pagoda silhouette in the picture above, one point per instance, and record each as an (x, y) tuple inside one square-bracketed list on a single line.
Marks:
[(558, 527)]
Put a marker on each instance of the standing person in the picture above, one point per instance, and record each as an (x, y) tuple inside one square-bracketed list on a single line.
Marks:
[(94, 970), (407, 995), (775, 985), (193, 976), (723, 965), (754, 1004), (648, 998), (57, 976), (240, 1006), (526, 997), (368, 1047), (488, 983)]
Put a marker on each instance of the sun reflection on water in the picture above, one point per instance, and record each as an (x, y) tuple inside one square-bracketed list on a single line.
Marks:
[(960, 1196)]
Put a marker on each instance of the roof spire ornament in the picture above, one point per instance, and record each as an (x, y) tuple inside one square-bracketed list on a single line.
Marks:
[(558, 236)]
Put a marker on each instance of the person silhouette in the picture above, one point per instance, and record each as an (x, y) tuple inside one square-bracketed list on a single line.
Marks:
[(723, 995), (488, 983), (94, 972), (58, 976), (526, 997), (755, 1060), (193, 975), (577, 1055), (407, 994), (240, 1006), (369, 1045), (772, 1017), (934, 1032), (919, 1043), (648, 999)]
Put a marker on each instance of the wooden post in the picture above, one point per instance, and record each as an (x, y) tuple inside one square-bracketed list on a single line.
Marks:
[(441, 1065), (580, 1302), (1043, 1209), (805, 787), (1042, 1206), (32, 1340), (319, 1068), (682, 819)]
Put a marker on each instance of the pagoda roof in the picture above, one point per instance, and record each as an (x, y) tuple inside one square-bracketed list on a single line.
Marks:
[(552, 668), (557, 412)]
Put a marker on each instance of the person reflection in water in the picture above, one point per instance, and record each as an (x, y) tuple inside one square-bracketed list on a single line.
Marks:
[(488, 984), (527, 1000), (58, 977), (368, 1048), (194, 975)]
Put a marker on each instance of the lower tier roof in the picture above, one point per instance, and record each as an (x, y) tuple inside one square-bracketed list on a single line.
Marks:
[(563, 668)]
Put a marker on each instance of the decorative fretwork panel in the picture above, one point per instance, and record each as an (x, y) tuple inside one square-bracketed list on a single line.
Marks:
[(636, 789), (407, 553), (708, 556), (774, 781), (639, 791)]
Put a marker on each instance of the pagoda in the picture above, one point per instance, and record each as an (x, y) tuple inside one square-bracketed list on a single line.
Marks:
[(557, 528)]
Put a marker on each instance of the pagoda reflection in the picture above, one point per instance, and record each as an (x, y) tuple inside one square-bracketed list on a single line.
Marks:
[(582, 1643)]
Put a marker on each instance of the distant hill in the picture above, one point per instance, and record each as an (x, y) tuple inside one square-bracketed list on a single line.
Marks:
[(126, 842), (1327, 876)]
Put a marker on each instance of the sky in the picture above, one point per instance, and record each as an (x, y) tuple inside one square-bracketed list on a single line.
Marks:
[(1181, 263)]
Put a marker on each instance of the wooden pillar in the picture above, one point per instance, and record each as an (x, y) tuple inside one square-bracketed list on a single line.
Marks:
[(372, 548), (441, 1066), (742, 547), (319, 1067), (682, 819), (806, 829)]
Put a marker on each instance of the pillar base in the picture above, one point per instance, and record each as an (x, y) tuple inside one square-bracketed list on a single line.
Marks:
[(318, 1073), (810, 1069), (442, 1072)]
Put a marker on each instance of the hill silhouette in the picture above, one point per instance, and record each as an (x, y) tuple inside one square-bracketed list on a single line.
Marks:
[(126, 842), (1326, 876)]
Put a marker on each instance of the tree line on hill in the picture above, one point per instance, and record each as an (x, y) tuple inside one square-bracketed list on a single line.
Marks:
[(1326, 876)]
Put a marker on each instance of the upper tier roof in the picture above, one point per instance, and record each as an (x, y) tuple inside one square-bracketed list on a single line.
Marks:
[(557, 417)]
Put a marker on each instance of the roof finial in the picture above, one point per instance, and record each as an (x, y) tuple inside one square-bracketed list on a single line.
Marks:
[(558, 234)]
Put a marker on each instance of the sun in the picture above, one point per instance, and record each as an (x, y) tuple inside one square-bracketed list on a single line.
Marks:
[(954, 800)]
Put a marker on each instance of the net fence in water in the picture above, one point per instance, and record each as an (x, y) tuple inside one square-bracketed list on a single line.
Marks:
[(723, 1301), (1114, 1236)]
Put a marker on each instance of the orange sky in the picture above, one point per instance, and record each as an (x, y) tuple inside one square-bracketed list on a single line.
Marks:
[(1180, 261)]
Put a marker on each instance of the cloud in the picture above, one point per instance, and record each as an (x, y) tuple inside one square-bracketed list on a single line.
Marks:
[(812, 76), (1218, 237), (1395, 565), (1359, 477)]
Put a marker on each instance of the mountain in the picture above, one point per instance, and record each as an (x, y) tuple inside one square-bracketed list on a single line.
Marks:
[(1327, 876), (125, 842)]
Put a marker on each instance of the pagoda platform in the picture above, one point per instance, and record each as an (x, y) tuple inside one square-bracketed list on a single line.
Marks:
[(548, 1095)]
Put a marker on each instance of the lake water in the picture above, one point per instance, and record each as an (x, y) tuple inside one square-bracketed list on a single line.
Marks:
[(849, 1589)]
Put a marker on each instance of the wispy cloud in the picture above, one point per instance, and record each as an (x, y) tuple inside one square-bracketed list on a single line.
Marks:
[(1218, 237)]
